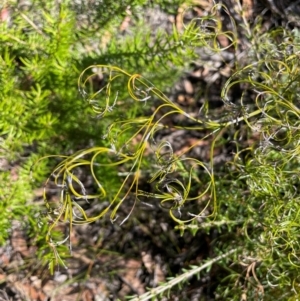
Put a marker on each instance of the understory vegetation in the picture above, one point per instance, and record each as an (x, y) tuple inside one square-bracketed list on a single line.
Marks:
[(115, 153)]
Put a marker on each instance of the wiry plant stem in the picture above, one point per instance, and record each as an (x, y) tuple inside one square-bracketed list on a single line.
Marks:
[(181, 278)]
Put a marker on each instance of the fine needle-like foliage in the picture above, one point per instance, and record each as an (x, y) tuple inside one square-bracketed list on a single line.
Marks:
[(181, 279), (44, 45), (139, 134), (251, 201), (174, 175)]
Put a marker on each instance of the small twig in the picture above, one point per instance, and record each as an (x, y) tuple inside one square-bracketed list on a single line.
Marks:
[(32, 24), (181, 278)]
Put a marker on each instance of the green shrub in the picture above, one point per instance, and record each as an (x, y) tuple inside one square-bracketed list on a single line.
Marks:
[(44, 45), (251, 200)]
